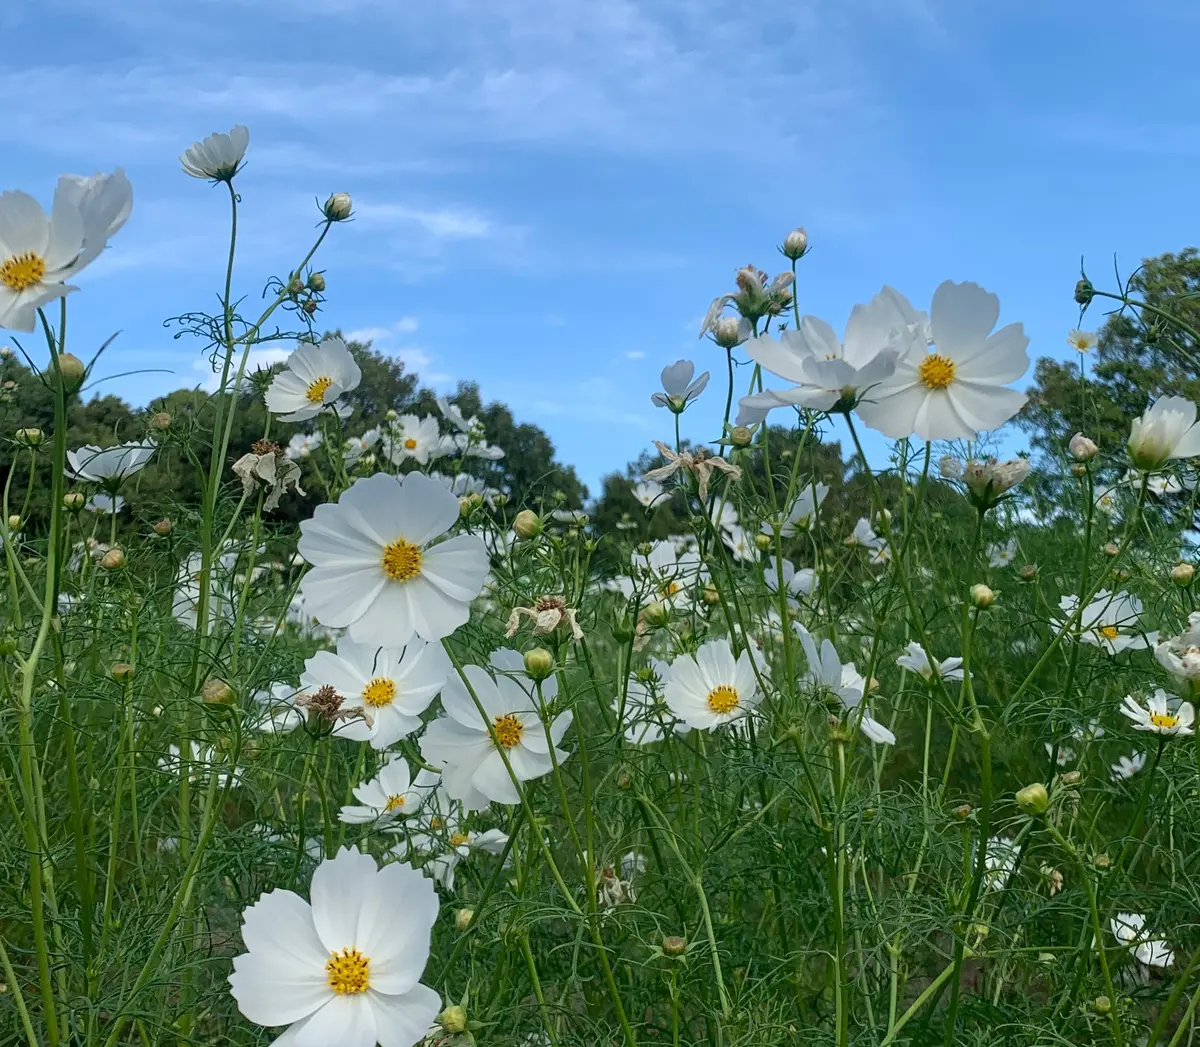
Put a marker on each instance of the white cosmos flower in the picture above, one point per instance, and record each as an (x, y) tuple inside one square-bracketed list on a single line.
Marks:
[(1002, 555), (1127, 766), (391, 686), (301, 445), (110, 465), (1180, 655), (827, 371), (390, 795), (453, 414), (415, 438), (961, 388), (670, 576), (1162, 714), (827, 673), (205, 762), (999, 861), (647, 719), (724, 515), (1129, 928), (795, 583), (1166, 430), (864, 537), (741, 544), (185, 601), (315, 375), (346, 968), (711, 688), (802, 513), (441, 868), (1110, 621), (276, 708), (357, 446), (1065, 753), (649, 493), (436, 822), (105, 504), (679, 389), (218, 157), (468, 747), (374, 569), (917, 660), (40, 253)]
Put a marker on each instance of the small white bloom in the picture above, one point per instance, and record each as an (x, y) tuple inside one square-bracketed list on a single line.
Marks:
[(795, 583), (647, 719), (108, 466), (864, 537), (415, 438), (649, 493), (712, 688), (205, 762), (917, 660), (218, 157), (1166, 430), (1002, 555), (276, 706), (999, 860), (315, 376), (802, 513), (357, 446), (301, 445), (1111, 621), (1129, 929), (679, 388), (1180, 655), (346, 968), (741, 544), (388, 796), (1081, 341), (1127, 766), (105, 504), (1161, 714), (666, 575), (827, 673)]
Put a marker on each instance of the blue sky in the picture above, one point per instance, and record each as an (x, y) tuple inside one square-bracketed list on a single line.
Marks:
[(550, 192)]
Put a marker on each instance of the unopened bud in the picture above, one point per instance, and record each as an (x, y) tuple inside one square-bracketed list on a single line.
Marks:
[(161, 420), (1027, 572), (729, 331), (309, 306), (962, 812), (527, 524), (112, 560), (73, 501), (1084, 291), (981, 596), (217, 692), (1070, 778), (453, 1020), (1033, 799), (462, 919), (539, 663), (72, 371), (1182, 574), (14, 522), (762, 542), (624, 780), (1102, 862), (465, 506), (674, 945), (795, 244), (121, 671), (711, 596), (30, 437), (391, 415), (5, 352), (163, 528), (1102, 1005), (1082, 449), (740, 436), (1111, 549), (1079, 470), (339, 207), (316, 282), (295, 286), (656, 615)]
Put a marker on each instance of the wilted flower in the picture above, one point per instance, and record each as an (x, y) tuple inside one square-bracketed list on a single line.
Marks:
[(949, 467), (1082, 449), (265, 462), (987, 481), (548, 613), (700, 462)]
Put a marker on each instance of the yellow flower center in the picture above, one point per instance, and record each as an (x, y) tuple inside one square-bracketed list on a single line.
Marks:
[(395, 802), (723, 699), (316, 390), (23, 271), (1164, 720), (1109, 632), (936, 371), (410, 444), (379, 692), (508, 730), (670, 589), (435, 823), (401, 560), (348, 972), (458, 839)]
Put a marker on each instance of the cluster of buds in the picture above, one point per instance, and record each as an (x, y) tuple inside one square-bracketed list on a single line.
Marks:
[(757, 295), (306, 295)]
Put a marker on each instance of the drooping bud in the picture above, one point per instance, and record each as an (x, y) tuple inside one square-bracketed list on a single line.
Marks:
[(982, 596), (1182, 574), (527, 524), (795, 244), (1082, 449), (539, 663), (1033, 799), (339, 207)]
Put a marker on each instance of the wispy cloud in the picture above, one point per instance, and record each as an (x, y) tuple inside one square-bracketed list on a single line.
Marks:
[(635, 354)]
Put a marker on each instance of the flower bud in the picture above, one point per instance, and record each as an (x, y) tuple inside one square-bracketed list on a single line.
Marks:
[(762, 542), (527, 524), (462, 919), (729, 332), (163, 528), (112, 560), (217, 692), (1084, 291), (14, 522), (121, 671), (1102, 862), (73, 501), (160, 420), (711, 595), (1033, 799), (1082, 449), (1027, 572), (950, 468), (339, 207), (539, 663), (316, 282), (465, 506), (310, 306), (1182, 574), (1079, 470), (1102, 1005), (30, 437), (740, 436), (295, 286), (5, 352), (453, 1019), (656, 615), (72, 371), (624, 780), (962, 812), (674, 945), (1111, 549), (795, 244), (1070, 778), (981, 596), (391, 415)]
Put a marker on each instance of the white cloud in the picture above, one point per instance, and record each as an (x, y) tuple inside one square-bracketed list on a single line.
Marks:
[(447, 223), (634, 354), (382, 335), (417, 360)]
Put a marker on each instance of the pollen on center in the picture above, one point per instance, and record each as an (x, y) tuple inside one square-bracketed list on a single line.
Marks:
[(936, 371), (401, 560), (1164, 720), (395, 802), (316, 391), (410, 444), (379, 692), (508, 730), (723, 699), (348, 972), (1110, 632), (23, 271)]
